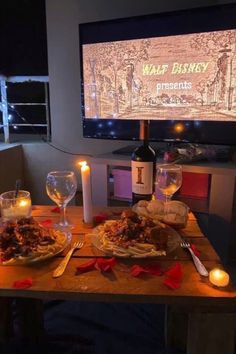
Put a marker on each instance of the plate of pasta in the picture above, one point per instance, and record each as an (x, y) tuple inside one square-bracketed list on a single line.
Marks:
[(135, 236), (26, 241)]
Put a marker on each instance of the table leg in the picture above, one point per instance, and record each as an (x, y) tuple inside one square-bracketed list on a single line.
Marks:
[(199, 330), (176, 327), (211, 333)]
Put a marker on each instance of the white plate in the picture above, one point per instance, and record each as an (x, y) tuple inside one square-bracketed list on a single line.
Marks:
[(173, 242), (45, 252)]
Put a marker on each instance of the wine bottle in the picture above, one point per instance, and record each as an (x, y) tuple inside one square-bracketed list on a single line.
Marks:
[(143, 167)]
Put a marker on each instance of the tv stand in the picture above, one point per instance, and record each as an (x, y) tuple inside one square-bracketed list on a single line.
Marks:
[(221, 199)]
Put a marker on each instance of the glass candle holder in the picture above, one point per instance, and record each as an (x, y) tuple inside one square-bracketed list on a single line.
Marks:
[(13, 207)]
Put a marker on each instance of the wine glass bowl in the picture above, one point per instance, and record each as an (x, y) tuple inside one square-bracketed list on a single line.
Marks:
[(61, 187), (168, 179)]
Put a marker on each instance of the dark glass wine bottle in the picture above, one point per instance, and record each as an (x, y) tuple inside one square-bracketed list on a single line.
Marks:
[(143, 167)]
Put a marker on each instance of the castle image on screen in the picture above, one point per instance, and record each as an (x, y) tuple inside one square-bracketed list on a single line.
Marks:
[(190, 76)]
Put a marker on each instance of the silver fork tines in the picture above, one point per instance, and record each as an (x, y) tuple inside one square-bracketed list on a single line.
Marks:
[(62, 266), (198, 264)]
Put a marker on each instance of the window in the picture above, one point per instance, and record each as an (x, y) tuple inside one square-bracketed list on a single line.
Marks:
[(24, 107)]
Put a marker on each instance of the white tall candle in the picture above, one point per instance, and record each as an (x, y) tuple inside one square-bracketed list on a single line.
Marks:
[(87, 193)]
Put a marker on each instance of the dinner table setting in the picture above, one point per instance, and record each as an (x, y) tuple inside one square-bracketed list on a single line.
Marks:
[(151, 252)]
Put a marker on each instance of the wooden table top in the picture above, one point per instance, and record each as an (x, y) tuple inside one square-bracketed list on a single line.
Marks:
[(118, 285)]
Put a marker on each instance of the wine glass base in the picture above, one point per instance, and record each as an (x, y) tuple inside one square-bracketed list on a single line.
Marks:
[(63, 226)]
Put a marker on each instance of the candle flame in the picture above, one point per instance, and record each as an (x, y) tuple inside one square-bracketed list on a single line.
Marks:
[(23, 203), (83, 163)]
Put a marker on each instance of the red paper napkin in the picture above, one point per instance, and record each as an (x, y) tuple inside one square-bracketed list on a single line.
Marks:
[(195, 250), (23, 283), (174, 276), (56, 210)]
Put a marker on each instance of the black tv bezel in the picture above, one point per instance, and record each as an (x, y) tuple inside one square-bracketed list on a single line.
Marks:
[(196, 20)]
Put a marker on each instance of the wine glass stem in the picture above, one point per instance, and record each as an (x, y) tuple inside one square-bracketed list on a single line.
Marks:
[(168, 198), (62, 215)]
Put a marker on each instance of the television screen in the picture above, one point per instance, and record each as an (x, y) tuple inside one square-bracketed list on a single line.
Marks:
[(177, 70)]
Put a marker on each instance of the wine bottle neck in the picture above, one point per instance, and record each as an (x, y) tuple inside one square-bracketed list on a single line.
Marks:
[(144, 131), (145, 142)]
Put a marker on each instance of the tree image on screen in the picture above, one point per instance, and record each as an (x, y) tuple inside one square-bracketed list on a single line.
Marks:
[(191, 76)]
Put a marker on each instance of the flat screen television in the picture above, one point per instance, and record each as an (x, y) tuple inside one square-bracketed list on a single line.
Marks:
[(175, 69)]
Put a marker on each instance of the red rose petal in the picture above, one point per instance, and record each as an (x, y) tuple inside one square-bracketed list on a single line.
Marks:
[(153, 269), (85, 267), (174, 276), (56, 210), (46, 223), (106, 264), (175, 272), (195, 250), (117, 213), (23, 283), (136, 270), (101, 217), (171, 283)]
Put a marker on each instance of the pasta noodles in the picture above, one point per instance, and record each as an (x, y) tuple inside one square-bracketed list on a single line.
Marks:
[(27, 241), (134, 249)]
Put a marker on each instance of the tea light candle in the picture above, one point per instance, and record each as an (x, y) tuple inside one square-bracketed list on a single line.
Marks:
[(21, 209), (219, 277), (87, 193)]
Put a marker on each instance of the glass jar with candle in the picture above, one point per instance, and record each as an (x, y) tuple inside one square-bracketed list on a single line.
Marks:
[(15, 206)]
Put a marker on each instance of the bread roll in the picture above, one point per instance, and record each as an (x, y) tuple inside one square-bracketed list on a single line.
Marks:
[(176, 214), (155, 209), (173, 213)]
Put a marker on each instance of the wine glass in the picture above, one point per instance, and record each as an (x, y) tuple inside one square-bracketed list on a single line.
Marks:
[(168, 179), (61, 187)]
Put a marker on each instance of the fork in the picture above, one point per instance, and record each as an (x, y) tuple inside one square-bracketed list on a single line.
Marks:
[(198, 264), (62, 266)]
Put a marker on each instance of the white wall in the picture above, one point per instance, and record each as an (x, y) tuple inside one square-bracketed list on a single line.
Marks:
[(63, 17)]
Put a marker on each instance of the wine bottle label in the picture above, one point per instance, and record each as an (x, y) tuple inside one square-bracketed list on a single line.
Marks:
[(142, 177)]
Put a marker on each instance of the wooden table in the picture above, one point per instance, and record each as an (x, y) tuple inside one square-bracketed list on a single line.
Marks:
[(205, 307)]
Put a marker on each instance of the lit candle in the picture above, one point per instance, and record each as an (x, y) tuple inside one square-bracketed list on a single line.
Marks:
[(15, 207), (87, 193), (219, 277), (20, 210)]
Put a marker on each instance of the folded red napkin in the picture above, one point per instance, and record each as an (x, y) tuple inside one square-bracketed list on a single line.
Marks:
[(195, 250), (46, 223), (174, 276), (100, 218), (153, 269), (56, 210), (102, 264), (23, 283)]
